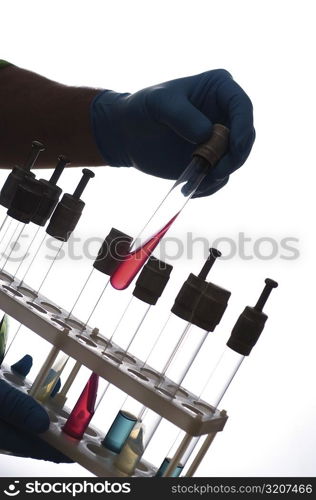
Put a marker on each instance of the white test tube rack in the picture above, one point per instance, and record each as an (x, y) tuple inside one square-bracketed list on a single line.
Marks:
[(51, 322)]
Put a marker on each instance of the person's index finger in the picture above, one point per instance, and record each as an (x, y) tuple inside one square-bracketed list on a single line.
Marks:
[(238, 107)]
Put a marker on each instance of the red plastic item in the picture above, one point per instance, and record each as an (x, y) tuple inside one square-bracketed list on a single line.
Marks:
[(83, 411), (134, 261)]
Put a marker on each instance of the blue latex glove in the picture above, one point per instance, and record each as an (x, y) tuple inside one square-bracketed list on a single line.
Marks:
[(21, 419), (156, 129)]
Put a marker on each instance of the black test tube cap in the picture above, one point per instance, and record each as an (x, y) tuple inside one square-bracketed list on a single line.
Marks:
[(26, 200), (152, 280), (250, 323), (112, 251), (69, 210), (199, 302), (51, 193), (18, 175), (202, 304)]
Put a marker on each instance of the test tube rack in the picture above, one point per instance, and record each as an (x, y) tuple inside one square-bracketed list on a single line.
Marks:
[(131, 375)]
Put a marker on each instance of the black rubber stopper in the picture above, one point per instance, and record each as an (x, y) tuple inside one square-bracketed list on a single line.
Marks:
[(68, 211), (201, 303), (250, 323), (65, 217), (51, 194), (112, 251), (216, 147), (152, 280), (18, 175), (26, 200)]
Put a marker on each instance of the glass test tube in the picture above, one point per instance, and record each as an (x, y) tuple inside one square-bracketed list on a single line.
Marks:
[(213, 392), (167, 342), (176, 369), (4, 329), (23, 343), (129, 323), (244, 336), (52, 378), (84, 409), (175, 348), (170, 207)]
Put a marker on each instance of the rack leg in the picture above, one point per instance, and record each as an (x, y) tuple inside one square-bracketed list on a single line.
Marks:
[(201, 454), (60, 398), (178, 455)]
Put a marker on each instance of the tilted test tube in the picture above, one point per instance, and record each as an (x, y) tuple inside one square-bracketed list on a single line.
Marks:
[(61, 225), (20, 195), (201, 305), (243, 338), (205, 157), (35, 204), (148, 289)]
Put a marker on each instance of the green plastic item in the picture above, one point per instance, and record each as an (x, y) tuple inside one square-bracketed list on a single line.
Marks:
[(4, 329)]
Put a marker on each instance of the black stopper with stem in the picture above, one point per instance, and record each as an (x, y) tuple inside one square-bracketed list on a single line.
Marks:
[(37, 148), (51, 193), (213, 255), (250, 323), (200, 302), (270, 284), (69, 210), (62, 162), (21, 177)]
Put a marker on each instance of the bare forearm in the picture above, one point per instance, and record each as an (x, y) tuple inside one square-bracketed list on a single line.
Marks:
[(33, 107)]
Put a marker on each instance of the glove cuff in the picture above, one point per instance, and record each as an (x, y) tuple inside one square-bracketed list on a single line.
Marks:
[(107, 124)]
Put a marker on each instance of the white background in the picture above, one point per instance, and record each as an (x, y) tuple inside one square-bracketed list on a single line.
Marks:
[(268, 46)]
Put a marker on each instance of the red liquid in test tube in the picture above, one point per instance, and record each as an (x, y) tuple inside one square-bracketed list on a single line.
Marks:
[(134, 261), (83, 411)]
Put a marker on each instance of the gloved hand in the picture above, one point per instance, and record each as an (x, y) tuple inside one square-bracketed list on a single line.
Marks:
[(21, 419), (156, 129)]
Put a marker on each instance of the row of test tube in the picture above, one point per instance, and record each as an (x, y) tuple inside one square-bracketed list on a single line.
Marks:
[(197, 310)]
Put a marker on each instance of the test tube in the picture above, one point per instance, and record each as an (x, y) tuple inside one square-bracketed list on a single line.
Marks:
[(205, 157), (113, 249), (175, 349), (84, 409), (50, 194), (52, 378), (243, 338), (19, 176), (148, 289), (21, 195), (4, 328), (62, 223)]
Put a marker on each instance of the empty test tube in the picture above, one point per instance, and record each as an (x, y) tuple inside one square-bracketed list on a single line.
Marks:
[(62, 223), (148, 289), (4, 327), (244, 336), (52, 378), (49, 196), (202, 304), (114, 247)]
